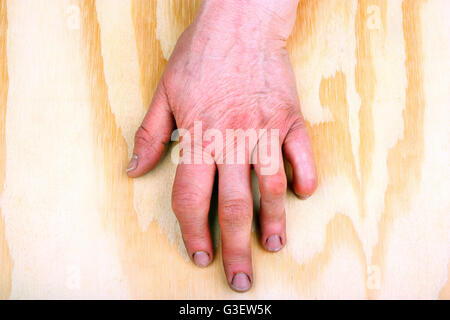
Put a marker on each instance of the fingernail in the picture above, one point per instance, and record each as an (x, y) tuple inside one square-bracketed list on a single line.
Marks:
[(201, 259), (241, 282), (133, 163), (273, 243), (301, 196)]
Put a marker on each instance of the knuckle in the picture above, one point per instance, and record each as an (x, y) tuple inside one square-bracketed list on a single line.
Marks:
[(298, 124), (236, 212), (185, 200), (192, 232), (235, 257), (144, 138), (274, 185), (142, 134)]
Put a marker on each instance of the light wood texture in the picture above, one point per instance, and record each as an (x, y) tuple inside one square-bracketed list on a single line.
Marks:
[(76, 79)]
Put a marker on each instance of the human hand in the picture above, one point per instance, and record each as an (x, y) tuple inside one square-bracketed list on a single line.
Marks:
[(230, 70)]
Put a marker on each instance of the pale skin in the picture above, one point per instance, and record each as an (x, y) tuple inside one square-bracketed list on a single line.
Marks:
[(230, 69)]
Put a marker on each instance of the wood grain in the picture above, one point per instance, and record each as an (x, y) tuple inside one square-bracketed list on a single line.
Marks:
[(5, 259), (77, 77)]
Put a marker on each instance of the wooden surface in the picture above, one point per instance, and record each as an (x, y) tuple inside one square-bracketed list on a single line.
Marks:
[(76, 79)]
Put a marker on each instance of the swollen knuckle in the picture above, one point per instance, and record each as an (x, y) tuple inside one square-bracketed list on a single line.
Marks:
[(274, 185), (235, 212), (185, 200)]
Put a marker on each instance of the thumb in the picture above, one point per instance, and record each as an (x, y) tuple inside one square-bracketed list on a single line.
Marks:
[(152, 136)]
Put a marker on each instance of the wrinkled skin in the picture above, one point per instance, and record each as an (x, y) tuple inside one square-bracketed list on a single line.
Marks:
[(229, 73)]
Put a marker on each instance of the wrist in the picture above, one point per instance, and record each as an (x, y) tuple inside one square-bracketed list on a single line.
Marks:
[(264, 18)]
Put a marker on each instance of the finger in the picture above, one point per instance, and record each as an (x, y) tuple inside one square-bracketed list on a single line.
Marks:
[(272, 186), (152, 136), (298, 151), (235, 219), (191, 196)]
